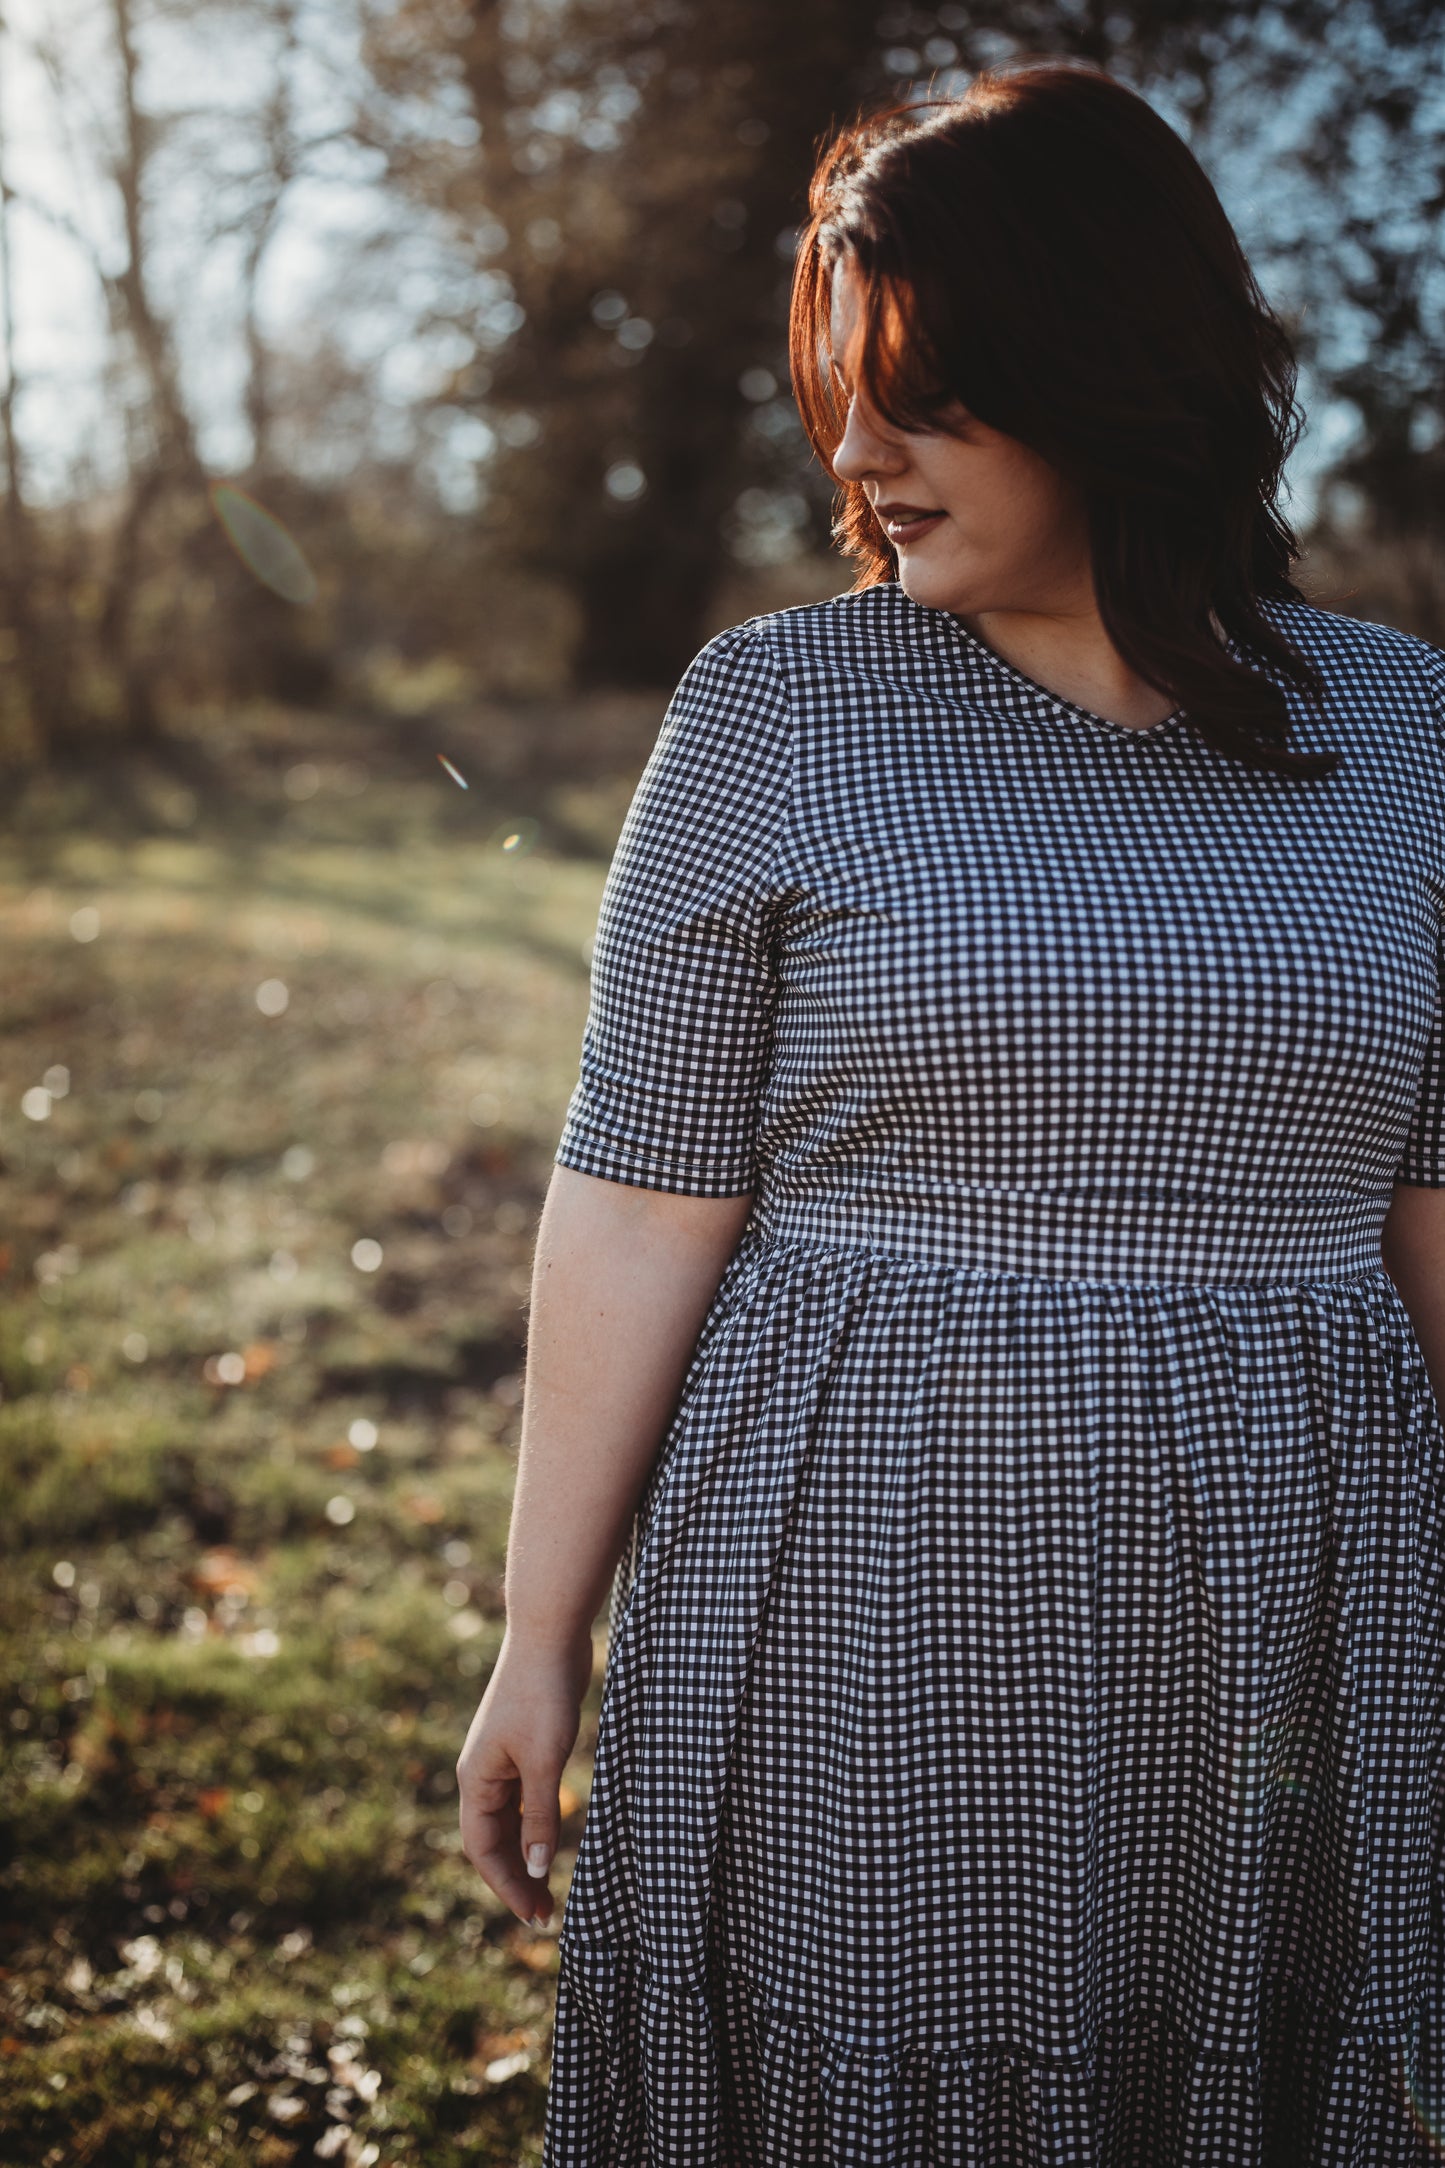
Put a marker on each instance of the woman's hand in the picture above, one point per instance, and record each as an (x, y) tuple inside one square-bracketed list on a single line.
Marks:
[(510, 1768)]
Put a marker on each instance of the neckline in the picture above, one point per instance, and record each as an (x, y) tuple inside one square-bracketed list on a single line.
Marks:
[(1041, 693)]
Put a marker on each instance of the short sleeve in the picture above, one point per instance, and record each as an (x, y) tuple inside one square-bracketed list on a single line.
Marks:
[(678, 1034), (1422, 1158)]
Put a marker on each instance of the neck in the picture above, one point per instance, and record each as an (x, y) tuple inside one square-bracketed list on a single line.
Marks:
[(1070, 654)]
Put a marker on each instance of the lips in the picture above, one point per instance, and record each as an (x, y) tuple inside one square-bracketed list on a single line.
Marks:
[(906, 522)]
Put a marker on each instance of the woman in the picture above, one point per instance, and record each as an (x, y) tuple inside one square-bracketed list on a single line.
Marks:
[(998, 1249)]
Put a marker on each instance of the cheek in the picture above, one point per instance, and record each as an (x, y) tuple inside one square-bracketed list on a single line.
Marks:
[(971, 482), (1039, 494), (1007, 503)]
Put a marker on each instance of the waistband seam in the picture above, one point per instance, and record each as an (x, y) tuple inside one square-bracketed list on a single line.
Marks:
[(818, 1245)]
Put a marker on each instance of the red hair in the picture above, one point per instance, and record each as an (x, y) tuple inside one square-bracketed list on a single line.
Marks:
[(1046, 250)]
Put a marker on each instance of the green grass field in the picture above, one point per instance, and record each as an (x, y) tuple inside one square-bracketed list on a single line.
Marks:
[(290, 1022)]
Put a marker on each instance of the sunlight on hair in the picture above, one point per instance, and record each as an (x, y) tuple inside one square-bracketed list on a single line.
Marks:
[(263, 545)]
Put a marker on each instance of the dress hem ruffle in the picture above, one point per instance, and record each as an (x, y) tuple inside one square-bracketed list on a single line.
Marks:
[(723, 2077)]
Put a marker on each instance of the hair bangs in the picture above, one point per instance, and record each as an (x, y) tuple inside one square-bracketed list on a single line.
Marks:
[(893, 359)]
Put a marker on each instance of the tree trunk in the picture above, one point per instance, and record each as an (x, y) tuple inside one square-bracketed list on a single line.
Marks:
[(39, 657)]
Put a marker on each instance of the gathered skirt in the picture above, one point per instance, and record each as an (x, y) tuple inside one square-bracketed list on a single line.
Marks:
[(1022, 1742)]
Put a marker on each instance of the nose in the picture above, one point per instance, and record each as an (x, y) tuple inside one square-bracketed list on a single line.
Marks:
[(862, 449)]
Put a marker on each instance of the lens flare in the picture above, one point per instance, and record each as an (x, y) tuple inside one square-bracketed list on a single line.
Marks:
[(263, 544), (516, 838), (460, 780), (1419, 2076), (1272, 1760)]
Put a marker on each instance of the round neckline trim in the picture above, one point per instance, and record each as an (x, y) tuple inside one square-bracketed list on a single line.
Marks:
[(1055, 702)]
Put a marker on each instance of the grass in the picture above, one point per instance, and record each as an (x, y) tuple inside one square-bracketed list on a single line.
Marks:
[(289, 1027)]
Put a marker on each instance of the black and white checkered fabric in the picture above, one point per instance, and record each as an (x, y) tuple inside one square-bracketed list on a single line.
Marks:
[(1023, 1738)]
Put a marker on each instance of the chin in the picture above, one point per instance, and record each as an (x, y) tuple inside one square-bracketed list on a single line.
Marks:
[(932, 587)]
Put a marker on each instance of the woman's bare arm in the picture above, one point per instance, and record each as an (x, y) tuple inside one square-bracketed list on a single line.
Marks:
[(621, 1284), (1413, 1246)]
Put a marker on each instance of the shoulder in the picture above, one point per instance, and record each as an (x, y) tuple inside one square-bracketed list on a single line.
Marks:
[(783, 661), (846, 632), (729, 723), (1364, 664)]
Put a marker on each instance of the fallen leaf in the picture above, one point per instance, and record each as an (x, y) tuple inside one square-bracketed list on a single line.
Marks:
[(223, 1572), (488, 2046), (534, 1951), (91, 1747)]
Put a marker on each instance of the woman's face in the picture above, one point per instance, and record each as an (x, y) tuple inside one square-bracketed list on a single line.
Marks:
[(1001, 530)]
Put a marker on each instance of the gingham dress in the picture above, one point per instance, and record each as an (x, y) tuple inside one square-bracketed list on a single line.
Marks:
[(1023, 1736)]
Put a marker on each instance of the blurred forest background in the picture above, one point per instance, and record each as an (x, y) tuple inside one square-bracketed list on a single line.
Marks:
[(484, 298), (383, 380)]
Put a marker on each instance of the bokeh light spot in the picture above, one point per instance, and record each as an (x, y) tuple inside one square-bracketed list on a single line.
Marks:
[(35, 1104), (363, 1434), (366, 1255), (340, 1510), (303, 781), (273, 997), (263, 545), (624, 481), (516, 838), (297, 1162), (85, 923)]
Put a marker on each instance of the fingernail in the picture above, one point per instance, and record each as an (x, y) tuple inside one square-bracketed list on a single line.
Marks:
[(538, 1858)]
